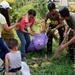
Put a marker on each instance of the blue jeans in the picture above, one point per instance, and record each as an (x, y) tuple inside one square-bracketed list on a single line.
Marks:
[(25, 41), (3, 48)]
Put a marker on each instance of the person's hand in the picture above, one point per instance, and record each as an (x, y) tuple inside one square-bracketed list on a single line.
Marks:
[(33, 33), (17, 24), (43, 31), (62, 47), (52, 31)]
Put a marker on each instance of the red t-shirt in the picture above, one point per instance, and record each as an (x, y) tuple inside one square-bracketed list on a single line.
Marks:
[(25, 23)]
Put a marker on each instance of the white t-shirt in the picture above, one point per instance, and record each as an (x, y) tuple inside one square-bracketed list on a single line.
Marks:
[(2, 21)]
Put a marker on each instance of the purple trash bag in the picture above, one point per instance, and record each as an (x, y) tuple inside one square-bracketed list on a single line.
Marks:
[(38, 42), (31, 47)]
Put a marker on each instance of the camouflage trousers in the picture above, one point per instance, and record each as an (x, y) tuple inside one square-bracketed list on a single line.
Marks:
[(50, 37)]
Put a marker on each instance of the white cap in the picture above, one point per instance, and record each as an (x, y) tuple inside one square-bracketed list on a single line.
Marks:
[(5, 5)]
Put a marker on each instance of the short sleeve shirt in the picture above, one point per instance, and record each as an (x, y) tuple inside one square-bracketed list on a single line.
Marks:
[(54, 19), (2, 21), (25, 23), (71, 21)]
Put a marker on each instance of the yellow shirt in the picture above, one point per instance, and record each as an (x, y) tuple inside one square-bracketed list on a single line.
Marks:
[(2, 21)]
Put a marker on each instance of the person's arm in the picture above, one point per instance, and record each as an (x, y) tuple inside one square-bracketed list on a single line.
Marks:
[(61, 23), (6, 63), (24, 31), (5, 25), (45, 21), (32, 25), (44, 26), (8, 28), (32, 28), (72, 40), (66, 29)]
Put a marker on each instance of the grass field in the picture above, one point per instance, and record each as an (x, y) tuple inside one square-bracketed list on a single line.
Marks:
[(60, 66), (39, 65)]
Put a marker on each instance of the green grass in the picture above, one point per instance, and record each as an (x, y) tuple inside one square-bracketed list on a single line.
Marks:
[(60, 66)]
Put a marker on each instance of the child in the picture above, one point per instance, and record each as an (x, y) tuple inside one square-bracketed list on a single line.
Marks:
[(13, 58)]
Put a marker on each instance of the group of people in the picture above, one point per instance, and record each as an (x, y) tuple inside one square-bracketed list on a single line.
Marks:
[(10, 52), (57, 23)]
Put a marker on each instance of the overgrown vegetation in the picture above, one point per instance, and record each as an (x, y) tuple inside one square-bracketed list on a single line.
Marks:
[(41, 7), (62, 65)]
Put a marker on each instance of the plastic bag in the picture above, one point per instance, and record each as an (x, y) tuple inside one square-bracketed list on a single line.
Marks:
[(38, 42), (25, 69), (1, 62)]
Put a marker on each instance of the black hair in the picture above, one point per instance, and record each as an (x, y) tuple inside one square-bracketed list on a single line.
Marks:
[(5, 13), (64, 12), (51, 6), (32, 12), (12, 42)]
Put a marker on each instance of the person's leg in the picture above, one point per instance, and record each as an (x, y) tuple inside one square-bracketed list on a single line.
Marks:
[(61, 34), (2, 55), (71, 47), (27, 37), (50, 38), (23, 42), (4, 48), (49, 43), (71, 51)]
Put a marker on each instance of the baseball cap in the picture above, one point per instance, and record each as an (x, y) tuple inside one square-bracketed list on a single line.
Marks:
[(5, 5)]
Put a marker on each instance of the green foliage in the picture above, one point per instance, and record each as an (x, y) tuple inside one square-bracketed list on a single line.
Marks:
[(40, 6), (17, 14), (61, 66), (9, 1), (20, 3), (71, 0), (72, 8)]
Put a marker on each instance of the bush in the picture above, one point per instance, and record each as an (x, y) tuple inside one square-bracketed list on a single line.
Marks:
[(40, 6)]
